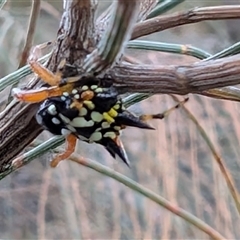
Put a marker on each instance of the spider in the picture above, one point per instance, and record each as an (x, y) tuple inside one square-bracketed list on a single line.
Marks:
[(82, 107)]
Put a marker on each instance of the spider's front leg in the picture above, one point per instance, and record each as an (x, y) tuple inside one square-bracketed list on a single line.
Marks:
[(36, 95), (46, 75), (53, 79)]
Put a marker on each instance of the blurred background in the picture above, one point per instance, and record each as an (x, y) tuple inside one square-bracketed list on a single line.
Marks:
[(74, 202)]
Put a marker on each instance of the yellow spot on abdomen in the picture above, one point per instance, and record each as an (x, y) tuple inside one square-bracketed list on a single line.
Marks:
[(113, 113), (116, 107), (108, 118)]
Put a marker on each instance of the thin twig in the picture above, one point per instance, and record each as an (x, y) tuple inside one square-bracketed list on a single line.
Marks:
[(228, 179), (195, 15), (145, 7), (30, 32), (225, 93), (164, 6), (168, 47), (47, 7), (2, 3)]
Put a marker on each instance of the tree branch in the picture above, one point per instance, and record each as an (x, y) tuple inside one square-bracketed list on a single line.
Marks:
[(124, 14), (190, 16), (193, 78), (76, 35)]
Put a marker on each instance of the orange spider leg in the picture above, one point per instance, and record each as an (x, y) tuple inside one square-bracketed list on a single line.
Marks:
[(36, 52), (71, 141), (46, 75), (36, 95)]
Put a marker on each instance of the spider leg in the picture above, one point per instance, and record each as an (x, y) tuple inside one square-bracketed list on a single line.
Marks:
[(146, 117), (36, 95), (36, 51), (46, 75), (71, 141), (60, 67)]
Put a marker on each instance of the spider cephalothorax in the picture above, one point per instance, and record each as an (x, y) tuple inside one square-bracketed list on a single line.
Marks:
[(85, 108)]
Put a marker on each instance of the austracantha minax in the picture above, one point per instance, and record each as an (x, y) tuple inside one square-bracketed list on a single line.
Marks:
[(85, 108)]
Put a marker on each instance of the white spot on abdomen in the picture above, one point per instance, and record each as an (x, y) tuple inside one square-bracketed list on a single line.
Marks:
[(52, 109), (81, 122), (56, 121), (95, 137), (96, 116), (65, 119)]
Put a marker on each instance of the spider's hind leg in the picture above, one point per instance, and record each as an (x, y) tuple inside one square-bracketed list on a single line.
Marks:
[(146, 117), (126, 118)]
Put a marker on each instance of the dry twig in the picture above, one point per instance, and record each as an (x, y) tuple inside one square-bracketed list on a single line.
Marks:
[(30, 32), (190, 16)]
